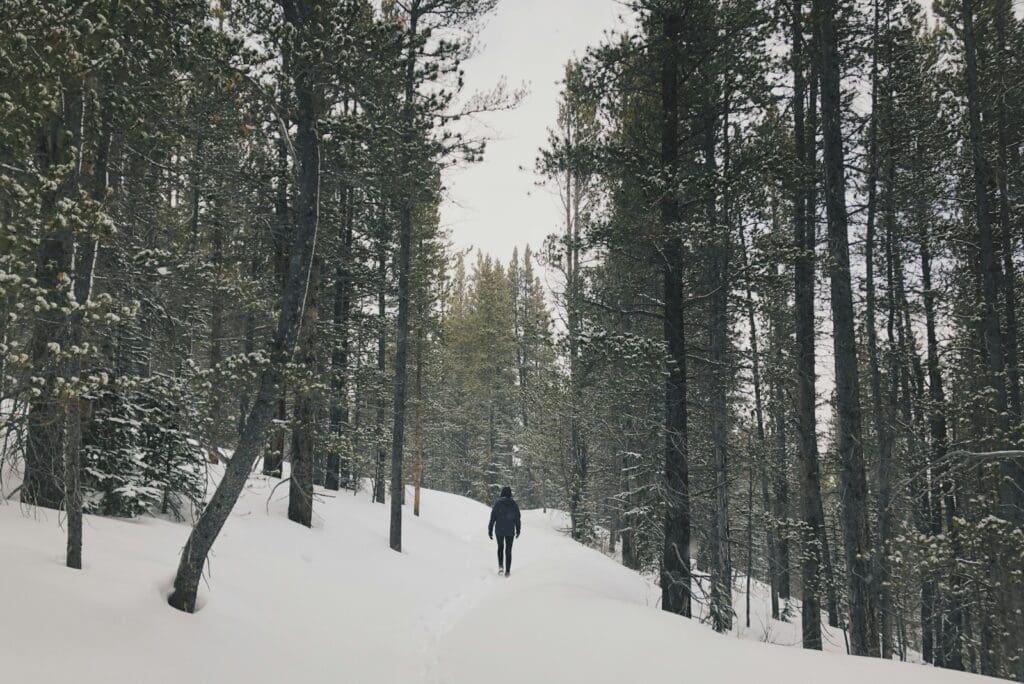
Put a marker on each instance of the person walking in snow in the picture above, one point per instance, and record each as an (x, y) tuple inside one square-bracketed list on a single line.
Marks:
[(505, 521)]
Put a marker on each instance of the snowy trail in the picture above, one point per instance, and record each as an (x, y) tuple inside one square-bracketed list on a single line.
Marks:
[(334, 604)]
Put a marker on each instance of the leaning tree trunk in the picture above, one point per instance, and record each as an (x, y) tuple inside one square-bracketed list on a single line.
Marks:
[(293, 297)]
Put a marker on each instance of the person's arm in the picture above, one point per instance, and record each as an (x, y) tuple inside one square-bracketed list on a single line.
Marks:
[(519, 520), (490, 525)]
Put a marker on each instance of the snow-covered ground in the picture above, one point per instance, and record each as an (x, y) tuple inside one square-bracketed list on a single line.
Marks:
[(335, 604)]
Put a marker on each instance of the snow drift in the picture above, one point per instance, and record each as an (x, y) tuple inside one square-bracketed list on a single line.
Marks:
[(335, 604)]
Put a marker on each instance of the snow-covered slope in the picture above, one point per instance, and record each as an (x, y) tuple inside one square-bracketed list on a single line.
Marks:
[(334, 604)]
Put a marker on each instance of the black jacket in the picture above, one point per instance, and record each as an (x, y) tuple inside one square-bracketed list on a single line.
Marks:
[(505, 518)]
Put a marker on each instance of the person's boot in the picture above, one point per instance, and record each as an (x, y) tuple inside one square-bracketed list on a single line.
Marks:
[(507, 572)]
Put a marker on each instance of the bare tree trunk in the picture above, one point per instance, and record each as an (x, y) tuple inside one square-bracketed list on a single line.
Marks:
[(303, 244)]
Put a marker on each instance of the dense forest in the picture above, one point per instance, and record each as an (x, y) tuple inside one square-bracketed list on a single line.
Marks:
[(774, 336)]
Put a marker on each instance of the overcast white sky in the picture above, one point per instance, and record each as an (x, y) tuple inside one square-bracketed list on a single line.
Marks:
[(495, 205)]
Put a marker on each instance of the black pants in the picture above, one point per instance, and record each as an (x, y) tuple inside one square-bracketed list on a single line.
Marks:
[(505, 552)]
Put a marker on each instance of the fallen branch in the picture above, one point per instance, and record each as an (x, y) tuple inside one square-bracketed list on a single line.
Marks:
[(986, 455)]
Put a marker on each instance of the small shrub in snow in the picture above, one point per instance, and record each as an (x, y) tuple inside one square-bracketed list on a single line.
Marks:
[(137, 457)]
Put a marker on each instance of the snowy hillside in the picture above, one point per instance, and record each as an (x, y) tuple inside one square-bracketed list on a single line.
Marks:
[(334, 604)]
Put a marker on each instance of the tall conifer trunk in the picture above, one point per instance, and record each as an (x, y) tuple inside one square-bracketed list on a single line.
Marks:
[(418, 467), (405, 218), (853, 480), (1010, 470), (882, 420), (338, 467), (59, 144), (578, 456), (300, 482), (675, 573), (811, 510), (718, 335), (771, 528), (273, 459), (85, 267), (378, 471), (950, 647)]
